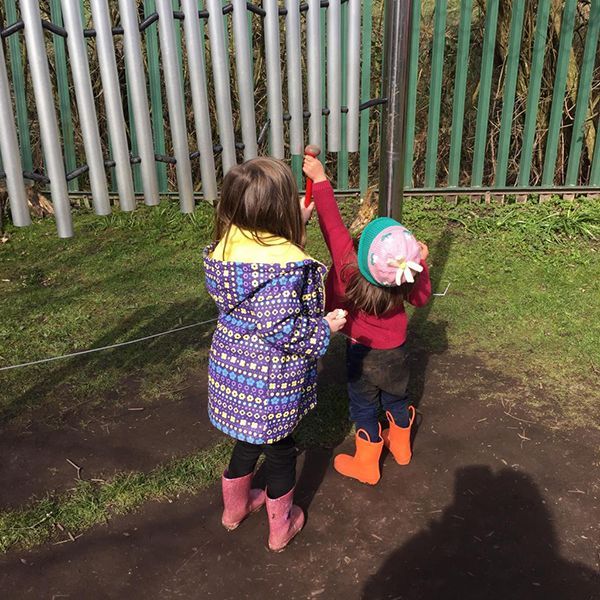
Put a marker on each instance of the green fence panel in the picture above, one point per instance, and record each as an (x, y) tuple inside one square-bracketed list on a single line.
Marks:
[(510, 88), (365, 91), (583, 93), (595, 172), (435, 91), (19, 89), (64, 97), (558, 96), (533, 93), (460, 90), (411, 99), (156, 103), (485, 91)]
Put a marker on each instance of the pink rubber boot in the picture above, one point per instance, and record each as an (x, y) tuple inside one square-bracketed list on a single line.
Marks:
[(285, 521), (239, 500)]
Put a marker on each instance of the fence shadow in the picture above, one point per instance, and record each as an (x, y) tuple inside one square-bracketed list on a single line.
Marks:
[(496, 541)]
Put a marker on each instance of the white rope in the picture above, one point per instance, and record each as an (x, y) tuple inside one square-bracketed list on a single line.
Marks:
[(142, 339)]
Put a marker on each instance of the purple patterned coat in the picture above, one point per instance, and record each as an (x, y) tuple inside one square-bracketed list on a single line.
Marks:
[(262, 372)]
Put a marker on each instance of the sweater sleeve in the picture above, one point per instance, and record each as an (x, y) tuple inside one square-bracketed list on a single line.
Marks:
[(282, 322), (421, 291), (336, 235)]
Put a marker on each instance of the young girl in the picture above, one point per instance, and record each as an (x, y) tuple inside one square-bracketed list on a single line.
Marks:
[(262, 374), (372, 281)]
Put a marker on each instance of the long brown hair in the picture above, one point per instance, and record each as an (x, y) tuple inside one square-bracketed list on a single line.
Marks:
[(261, 196), (371, 299)]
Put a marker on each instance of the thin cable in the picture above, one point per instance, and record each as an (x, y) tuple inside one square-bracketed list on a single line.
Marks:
[(142, 339)]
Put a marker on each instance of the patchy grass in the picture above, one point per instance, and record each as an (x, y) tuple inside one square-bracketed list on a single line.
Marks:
[(90, 503), (525, 283)]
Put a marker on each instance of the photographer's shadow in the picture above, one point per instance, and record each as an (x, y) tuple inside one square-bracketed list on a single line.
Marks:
[(495, 541)]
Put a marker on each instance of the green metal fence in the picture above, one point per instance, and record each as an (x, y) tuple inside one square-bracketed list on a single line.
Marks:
[(503, 96)]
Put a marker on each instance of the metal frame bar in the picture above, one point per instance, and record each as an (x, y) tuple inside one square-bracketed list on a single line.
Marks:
[(88, 120), (40, 74)]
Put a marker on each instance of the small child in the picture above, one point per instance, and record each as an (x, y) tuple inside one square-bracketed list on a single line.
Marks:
[(372, 279), (262, 373)]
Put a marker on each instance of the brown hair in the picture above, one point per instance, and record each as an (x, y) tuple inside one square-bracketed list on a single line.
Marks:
[(371, 299), (261, 196)]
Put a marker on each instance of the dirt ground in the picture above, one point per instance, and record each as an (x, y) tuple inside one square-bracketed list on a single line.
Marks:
[(492, 506)]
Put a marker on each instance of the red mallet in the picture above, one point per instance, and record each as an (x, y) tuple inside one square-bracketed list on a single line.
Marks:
[(314, 151)]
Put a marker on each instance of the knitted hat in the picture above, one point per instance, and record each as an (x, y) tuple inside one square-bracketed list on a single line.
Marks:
[(388, 253)]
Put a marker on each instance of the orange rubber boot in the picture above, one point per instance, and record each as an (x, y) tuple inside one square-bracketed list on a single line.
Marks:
[(397, 439), (364, 465)]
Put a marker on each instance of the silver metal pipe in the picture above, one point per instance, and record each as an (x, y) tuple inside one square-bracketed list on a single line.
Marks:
[(294, 76), (9, 150), (334, 75), (174, 89), (245, 84), (220, 68), (80, 70), (274, 95), (113, 102), (42, 89), (313, 43), (139, 99), (353, 75), (194, 45), (396, 47)]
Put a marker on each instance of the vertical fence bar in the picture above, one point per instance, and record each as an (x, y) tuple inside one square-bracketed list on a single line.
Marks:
[(294, 81), (365, 86), (274, 96), (435, 92), (8, 150), (64, 99), (395, 87), (139, 99), (533, 91), (510, 88), (42, 89), (595, 171), (245, 83), (218, 54), (334, 75), (342, 176), (353, 75), (583, 92), (485, 92), (19, 87), (460, 91), (155, 94), (195, 49), (411, 101), (175, 102), (114, 105), (313, 50), (88, 120), (558, 96)]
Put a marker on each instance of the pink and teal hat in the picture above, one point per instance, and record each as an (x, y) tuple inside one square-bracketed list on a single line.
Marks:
[(388, 253)]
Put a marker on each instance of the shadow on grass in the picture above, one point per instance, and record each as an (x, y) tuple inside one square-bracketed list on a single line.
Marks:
[(123, 367), (496, 541)]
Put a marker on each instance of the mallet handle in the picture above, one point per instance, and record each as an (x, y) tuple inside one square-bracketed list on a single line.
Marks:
[(313, 151)]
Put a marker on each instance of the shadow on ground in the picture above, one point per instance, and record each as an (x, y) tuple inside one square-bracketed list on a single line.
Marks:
[(496, 540)]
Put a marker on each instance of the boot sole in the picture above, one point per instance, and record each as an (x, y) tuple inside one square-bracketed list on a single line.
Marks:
[(233, 527)]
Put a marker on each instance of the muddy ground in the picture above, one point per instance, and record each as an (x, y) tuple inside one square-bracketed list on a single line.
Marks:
[(493, 505)]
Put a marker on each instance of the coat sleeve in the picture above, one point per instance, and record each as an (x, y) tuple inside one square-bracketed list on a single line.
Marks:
[(282, 320), (421, 291)]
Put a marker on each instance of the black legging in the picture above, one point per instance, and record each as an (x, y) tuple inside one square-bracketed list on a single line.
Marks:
[(280, 464)]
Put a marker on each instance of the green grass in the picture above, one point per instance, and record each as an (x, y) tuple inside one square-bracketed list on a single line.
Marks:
[(89, 503), (525, 283)]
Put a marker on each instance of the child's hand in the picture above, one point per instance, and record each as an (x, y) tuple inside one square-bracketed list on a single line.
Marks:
[(313, 169), (336, 319), (424, 250), (306, 211)]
